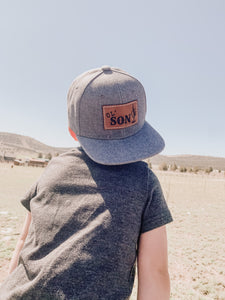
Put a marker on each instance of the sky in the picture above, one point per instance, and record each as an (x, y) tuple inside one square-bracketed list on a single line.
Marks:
[(175, 48)]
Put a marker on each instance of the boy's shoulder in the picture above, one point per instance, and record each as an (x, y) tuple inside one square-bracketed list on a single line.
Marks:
[(77, 163), (78, 154), (71, 154)]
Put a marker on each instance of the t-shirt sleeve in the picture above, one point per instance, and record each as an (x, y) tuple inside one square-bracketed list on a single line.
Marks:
[(156, 212), (31, 193)]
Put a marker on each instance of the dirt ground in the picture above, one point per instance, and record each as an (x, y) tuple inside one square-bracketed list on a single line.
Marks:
[(196, 239)]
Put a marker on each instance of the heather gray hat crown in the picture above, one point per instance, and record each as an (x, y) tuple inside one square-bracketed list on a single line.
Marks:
[(106, 111)]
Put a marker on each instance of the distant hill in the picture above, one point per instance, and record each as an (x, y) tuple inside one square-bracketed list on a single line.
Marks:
[(190, 161), (21, 146)]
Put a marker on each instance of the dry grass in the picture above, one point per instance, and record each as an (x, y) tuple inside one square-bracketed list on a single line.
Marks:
[(196, 237)]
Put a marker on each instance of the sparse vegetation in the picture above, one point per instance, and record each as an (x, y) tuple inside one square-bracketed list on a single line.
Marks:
[(183, 169), (191, 161)]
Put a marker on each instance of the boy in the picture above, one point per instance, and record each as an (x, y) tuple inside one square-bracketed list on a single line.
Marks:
[(96, 208)]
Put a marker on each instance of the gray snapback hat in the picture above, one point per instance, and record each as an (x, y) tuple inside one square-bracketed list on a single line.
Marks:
[(106, 111)]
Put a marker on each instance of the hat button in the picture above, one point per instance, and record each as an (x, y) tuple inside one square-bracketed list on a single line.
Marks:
[(105, 68)]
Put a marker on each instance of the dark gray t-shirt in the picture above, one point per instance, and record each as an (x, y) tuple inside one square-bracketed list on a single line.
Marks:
[(86, 222)]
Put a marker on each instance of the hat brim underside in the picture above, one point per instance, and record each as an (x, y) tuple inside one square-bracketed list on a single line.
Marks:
[(145, 143)]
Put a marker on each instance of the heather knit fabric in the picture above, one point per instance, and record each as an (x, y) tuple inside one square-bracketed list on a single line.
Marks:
[(86, 222)]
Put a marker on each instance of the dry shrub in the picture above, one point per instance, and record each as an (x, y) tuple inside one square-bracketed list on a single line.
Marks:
[(173, 167), (183, 169), (208, 170), (163, 167)]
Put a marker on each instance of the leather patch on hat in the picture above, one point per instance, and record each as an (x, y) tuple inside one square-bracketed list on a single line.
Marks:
[(120, 115)]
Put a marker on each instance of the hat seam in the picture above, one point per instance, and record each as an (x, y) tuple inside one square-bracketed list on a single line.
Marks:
[(124, 73), (84, 92), (121, 100)]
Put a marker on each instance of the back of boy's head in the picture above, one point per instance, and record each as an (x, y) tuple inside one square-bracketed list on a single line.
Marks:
[(106, 112)]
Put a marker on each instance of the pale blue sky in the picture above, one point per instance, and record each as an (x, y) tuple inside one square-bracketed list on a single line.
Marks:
[(175, 48)]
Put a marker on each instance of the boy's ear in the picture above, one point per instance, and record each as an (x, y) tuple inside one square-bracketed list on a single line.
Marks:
[(73, 134)]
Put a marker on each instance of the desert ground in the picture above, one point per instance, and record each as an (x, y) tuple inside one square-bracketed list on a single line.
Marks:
[(196, 239)]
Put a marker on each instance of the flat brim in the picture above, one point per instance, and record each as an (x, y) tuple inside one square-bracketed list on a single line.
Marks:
[(145, 143)]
